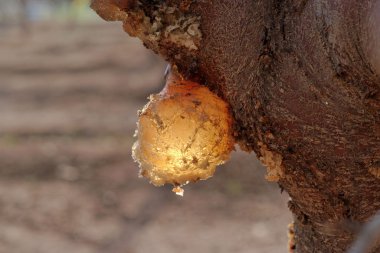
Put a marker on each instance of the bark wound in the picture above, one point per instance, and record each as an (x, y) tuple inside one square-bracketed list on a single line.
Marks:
[(375, 171), (273, 163), (166, 27), (291, 239)]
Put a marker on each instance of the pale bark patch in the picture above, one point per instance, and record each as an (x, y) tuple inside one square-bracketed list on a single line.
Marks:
[(375, 171), (273, 163)]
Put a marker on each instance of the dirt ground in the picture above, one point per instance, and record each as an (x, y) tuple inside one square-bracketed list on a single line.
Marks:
[(68, 102)]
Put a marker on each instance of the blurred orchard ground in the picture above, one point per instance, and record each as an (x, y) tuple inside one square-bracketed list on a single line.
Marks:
[(70, 87)]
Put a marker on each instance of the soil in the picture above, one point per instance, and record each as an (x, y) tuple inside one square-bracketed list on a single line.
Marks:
[(69, 95)]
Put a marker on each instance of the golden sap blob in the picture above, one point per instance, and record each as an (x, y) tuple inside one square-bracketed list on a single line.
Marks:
[(183, 133)]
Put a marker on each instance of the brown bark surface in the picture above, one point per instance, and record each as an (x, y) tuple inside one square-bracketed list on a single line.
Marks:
[(303, 94)]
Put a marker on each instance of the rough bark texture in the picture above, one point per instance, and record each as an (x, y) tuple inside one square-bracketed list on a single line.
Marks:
[(303, 94)]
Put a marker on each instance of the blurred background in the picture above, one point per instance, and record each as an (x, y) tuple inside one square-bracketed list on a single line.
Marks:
[(70, 87)]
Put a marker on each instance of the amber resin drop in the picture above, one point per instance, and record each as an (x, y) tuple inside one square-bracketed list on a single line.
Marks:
[(183, 133)]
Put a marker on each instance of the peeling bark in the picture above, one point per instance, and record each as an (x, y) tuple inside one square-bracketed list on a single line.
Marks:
[(303, 91)]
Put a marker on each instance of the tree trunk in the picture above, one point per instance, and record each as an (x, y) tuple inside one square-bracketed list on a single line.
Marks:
[(303, 90)]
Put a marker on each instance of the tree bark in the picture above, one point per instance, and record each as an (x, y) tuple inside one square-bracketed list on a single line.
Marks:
[(303, 92)]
